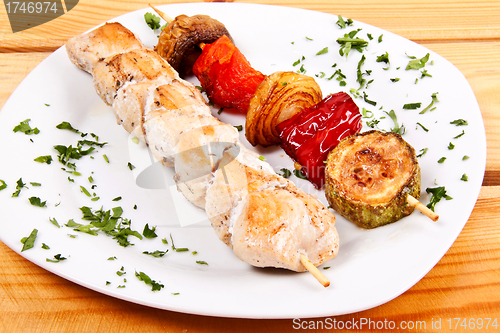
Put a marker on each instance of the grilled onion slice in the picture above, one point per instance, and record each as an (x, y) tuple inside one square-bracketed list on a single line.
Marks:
[(279, 97), (368, 178)]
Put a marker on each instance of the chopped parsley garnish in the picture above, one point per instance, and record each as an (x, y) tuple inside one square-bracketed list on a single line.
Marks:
[(299, 174), (343, 23), (156, 254), (35, 201), (29, 241), (456, 137), (434, 100), (239, 127), (417, 63), (57, 258), (365, 98), (177, 249), (152, 20), (149, 233), (437, 194), (360, 74), (465, 158), (286, 173), (130, 166), (135, 140), (442, 159), (147, 280), (349, 42), (54, 222), (396, 129), (422, 152), (396, 79), (20, 185), (67, 126), (323, 51), (3, 185), (451, 146), (383, 58), (25, 127), (459, 122), (464, 178), (201, 262), (110, 222), (105, 158), (45, 246), (85, 191), (44, 159), (412, 106), (423, 127)]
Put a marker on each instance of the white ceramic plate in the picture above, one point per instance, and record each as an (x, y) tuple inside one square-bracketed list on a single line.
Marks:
[(373, 266)]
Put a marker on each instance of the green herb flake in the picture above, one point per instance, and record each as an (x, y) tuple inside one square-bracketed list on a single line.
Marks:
[(54, 222), (57, 258), (464, 178), (25, 128), (147, 280), (135, 140), (349, 42), (299, 174), (323, 51), (461, 134), (396, 79), (3, 185), (396, 129), (459, 122), (152, 20), (438, 193), (45, 246), (28, 242), (44, 159), (451, 146), (239, 127), (417, 63), (105, 158), (434, 100), (412, 106), (35, 201), (149, 233), (286, 173), (365, 98), (465, 158), (344, 23), (422, 152), (201, 262), (423, 127), (117, 199), (383, 58), (67, 126), (442, 159), (156, 254)]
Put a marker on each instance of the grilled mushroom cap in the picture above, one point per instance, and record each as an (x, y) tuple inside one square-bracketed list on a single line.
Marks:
[(178, 42)]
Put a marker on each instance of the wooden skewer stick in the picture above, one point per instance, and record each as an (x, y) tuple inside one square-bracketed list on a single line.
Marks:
[(422, 208), (314, 271), (164, 16), (303, 259)]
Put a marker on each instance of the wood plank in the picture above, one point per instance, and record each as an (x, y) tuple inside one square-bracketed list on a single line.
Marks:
[(32, 299), (426, 20)]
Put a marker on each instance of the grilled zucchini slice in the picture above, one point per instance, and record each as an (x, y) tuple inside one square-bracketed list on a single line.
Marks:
[(369, 176)]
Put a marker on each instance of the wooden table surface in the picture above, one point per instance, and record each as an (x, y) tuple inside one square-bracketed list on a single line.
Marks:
[(464, 284)]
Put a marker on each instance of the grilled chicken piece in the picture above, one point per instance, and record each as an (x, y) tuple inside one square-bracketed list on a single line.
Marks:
[(267, 221), (262, 216), (91, 48)]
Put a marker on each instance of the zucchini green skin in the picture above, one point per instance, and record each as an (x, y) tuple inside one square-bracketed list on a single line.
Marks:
[(367, 215)]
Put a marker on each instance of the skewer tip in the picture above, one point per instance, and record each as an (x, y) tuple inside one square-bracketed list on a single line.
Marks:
[(422, 208), (314, 270)]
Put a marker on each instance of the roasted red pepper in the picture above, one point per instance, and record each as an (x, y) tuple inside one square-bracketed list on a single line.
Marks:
[(226, 75), (310, 135)]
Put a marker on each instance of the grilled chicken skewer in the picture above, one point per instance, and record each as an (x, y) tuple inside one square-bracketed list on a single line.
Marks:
[(263, 217)]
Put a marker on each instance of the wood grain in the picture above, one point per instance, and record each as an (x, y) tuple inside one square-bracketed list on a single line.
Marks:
[(464, 283), (426, 20)]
